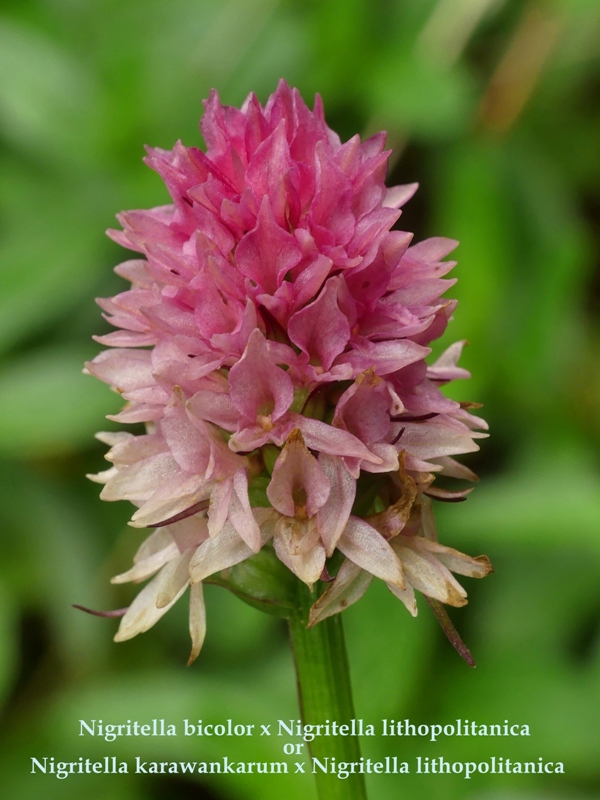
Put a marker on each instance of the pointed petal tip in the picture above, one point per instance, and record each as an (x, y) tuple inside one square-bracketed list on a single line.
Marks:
[(120, 636), (135, 524)]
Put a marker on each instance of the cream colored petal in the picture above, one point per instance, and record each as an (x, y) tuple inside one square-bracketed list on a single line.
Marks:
[(176, 494), (428, 526), (104, 476), (349, 586), (394, 519), (301, 535), (219, 506), (454, 469), (157, 540), (307, 566), (407, 596), (144, 569), (140, 481), (367, 548), (135, 449), (111, 438), (176, 576), (213, 555), (197, 620), (240, 513), (188, 533), (454, 560), (142, 614), (427, 574)]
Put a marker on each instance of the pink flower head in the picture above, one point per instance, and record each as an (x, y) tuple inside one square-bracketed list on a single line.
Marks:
[(276, 331)]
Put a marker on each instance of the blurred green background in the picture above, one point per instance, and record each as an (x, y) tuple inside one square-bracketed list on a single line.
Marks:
[(493, 106)]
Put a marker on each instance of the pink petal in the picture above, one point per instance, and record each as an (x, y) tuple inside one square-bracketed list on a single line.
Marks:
[(383, 357), (445, 367), (327, 439), (433, 249), (267, 252), (432, 438), (320, 329), (363, 409), (298, 486), (216, 407), (266, 171), (189, 444), (256, 385), (123, 369), (456, 561), (427, 574)]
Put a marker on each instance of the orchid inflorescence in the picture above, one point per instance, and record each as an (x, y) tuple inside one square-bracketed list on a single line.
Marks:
[(273, 342)]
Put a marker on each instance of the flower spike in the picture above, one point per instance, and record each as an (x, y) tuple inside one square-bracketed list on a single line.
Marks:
[(274, 341)]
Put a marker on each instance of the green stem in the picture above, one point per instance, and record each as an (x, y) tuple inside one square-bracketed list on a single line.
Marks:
[(325, 695)]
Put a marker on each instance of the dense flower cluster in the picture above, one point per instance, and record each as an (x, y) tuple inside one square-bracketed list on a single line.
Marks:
[(275, 338)]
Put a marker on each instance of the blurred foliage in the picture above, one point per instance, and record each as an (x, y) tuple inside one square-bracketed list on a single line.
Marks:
[(493, 105)]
